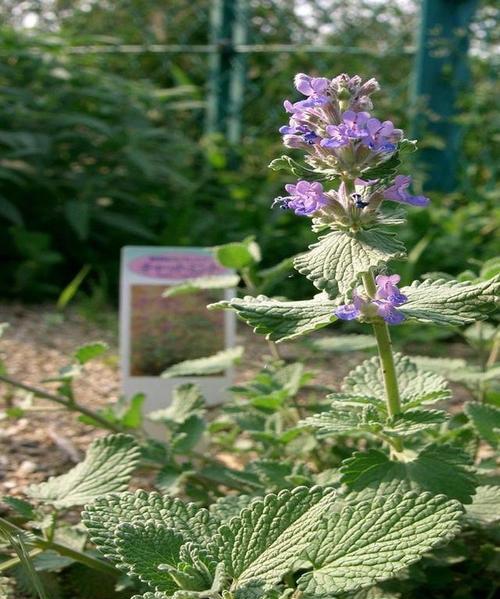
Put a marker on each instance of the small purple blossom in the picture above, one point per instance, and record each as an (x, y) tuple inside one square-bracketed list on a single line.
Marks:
[(305, 198), (398, 192), (381, 137), (387, 299), (298, 134), (352, 128), (311, 86)]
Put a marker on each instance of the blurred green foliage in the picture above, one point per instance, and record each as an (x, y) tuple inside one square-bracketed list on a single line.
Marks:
[(103, 149)]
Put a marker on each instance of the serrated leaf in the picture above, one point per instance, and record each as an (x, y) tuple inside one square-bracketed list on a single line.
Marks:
[(22, 507), (143, 546), (336, 262), (198, 284), (107, 467), (485, 506), (372, 541), (215, 364), (344, 420), (105, 514), (415, 386), (413, 421), (229, 506), (486, 421), (250, 545), (187, 401), (282, 321), (449, 302), (89, 351), (344, 343), (437, 469)]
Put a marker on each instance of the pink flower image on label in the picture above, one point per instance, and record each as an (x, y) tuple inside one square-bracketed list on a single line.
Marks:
[(176, 266)]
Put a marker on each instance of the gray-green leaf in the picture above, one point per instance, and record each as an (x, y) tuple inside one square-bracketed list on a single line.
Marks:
[(143, 546), (336, 262), (214, 364), (415, 386), (281, 321), (437, 469), (107, 467), (486, 421), (449, 302), (485, 506), (374, 540)]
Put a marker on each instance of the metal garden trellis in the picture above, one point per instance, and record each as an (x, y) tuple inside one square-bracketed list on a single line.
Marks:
[(440, 73)]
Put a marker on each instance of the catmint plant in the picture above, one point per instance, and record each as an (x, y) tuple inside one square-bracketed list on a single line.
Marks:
[(340, 532)]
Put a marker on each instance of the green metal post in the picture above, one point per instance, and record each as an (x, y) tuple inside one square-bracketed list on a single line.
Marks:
[(238, 73), (441, 75), (218, 100)]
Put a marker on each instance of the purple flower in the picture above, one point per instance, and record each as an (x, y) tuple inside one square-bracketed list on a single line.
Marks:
[(351, 311), (352, 128), (305, 198), (398, 192), (387, 299), (311, 86), (381, 137), (296, 135)]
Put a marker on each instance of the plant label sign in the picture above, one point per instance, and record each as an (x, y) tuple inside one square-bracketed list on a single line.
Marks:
[(157, 332)]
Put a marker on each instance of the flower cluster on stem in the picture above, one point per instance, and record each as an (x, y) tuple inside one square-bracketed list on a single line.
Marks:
[(342, 139)]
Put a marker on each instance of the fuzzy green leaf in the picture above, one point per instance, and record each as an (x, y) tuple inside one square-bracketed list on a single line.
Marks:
[(373, 540), (200, 283), (238, 254), (143, 546), (229, 506), (437, 469), (281, 321), (415, 386), (449, 302), (414, 421), (89, 351), (344, 420), (336, 262), (105, 514), (344, 343), (261, 544), (485, 420), (187, 401), (215, 364), (107, 467), (485, 506)]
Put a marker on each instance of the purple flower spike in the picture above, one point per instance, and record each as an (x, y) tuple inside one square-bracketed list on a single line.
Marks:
[(398, 192), (305, 198)]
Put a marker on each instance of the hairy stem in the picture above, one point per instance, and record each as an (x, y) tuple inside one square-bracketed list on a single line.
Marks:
[(384, 345), (70, 405)]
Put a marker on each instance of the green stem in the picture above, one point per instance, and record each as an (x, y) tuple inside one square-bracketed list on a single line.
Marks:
[(384, 345), (70, 405), (83, 558)]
